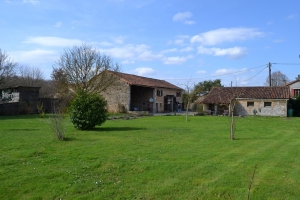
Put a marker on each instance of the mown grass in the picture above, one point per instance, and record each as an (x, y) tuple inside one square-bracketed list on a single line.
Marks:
[(161, 157)]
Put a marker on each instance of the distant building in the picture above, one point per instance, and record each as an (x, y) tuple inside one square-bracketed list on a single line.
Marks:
[(264, 101), (19, 100), (137, 93), (294, 88)]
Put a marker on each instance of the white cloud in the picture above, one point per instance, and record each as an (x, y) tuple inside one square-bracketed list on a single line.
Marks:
[(33, 2), (144, 71), (232, 53), (187, 49), (292, 16), (169, 50), (119, 39), (189, 22), (127, 62), (132, 52), (222, 35), (229, 71), (175, 60), (58, 24), (53, 41), (201, 72), (278, 41), (182, 17), (36, 57)]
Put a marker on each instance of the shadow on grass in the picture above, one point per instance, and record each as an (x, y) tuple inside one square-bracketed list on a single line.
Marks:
[(66, 139), (23, 129), (29, 116), (117, 129)]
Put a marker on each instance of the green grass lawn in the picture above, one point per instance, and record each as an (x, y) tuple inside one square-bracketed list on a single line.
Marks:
[(161, 157)]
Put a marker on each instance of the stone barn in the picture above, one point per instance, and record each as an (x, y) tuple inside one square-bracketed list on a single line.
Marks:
[(264, 101), (137, 93)]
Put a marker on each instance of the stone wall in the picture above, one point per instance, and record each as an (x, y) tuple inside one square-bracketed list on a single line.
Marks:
[(117, 96), (278, 107), (158, 103)]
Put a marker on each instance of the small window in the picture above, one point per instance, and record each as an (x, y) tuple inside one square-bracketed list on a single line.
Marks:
[(250, 104), (267, 104), (296, 92), (178, 94), (159, 93)]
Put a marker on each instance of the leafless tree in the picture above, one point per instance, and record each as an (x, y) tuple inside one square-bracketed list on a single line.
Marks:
[(277, 79), (7, 67), (56, 120), (83, 67), (30, 76), (188, 96)]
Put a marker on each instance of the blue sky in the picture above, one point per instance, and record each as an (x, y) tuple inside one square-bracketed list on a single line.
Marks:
[(175, 40)]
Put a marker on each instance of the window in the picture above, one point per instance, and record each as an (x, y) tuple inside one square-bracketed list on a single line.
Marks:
[(159, 93), (267, 104), (178, 94), (296, 92), (250, 104)]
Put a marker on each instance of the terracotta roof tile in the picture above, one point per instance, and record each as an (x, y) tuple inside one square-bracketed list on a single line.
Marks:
[(146, 82), (222, 95)]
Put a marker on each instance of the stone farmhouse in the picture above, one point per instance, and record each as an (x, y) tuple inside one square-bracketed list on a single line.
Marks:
[(19, 100), (264, 101), (137, 93), (294, 88)]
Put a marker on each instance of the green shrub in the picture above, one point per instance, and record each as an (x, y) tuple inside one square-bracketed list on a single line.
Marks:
[(87, 110)]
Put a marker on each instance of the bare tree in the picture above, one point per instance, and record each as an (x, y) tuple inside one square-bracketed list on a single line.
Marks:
[(277, 79), (30, 76), (189, 96), (56, 119), (7, 67), (83, 67)]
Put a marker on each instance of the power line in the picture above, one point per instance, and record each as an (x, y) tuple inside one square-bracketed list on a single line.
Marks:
[(217, 75), (286, 63), (256, 74)]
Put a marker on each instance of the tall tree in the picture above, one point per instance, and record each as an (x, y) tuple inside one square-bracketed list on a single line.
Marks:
[(298, 77), (277, 79), (7, 67), (207, 85), (83, 67)]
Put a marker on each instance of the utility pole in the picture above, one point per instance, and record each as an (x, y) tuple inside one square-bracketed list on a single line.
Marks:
[(270, 78)]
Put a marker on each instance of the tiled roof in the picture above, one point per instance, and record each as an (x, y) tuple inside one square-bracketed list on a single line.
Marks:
[(295, 81), (223, 95), (145, 82)]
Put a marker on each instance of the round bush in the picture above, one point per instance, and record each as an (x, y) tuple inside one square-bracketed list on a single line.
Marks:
[(87, 110)]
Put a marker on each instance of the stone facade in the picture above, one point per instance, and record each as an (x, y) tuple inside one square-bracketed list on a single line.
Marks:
[(169, 100), (125, 97), (262, 107), (117, 96)]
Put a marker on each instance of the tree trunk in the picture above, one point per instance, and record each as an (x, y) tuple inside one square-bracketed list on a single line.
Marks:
[(232, 105), (187, 111)]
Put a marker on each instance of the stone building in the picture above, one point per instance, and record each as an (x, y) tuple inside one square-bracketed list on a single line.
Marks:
[(264, 101), (137, 93), (19, 100)]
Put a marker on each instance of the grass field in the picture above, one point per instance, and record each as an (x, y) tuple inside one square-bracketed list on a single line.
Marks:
[(162, 157)]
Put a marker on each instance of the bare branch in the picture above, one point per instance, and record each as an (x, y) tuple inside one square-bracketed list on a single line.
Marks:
[(7, 66)]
